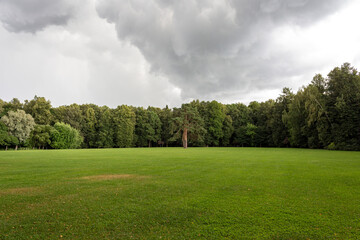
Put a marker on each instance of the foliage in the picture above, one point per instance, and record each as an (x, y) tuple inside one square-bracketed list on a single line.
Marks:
[(6, 140), (39, 109), (105, 130), (63, 136), (214, 123), (19, 124), (166, 116), (40, 137), (124, 126), (89, 126), (147, 128), (324, 113), (188, 125)]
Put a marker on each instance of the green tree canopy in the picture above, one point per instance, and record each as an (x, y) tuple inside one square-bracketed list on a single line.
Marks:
[(40, 137), (63, 136), (39, 109), (6, 140), (187, 125), (124, 126), (19, 124)]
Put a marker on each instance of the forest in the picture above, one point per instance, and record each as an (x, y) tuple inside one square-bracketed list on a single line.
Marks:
[(325, 114)]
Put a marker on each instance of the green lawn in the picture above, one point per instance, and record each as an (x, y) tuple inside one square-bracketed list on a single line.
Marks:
[(173, 193)]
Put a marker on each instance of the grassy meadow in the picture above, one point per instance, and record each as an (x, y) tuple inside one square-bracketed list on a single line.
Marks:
[(175, 193)]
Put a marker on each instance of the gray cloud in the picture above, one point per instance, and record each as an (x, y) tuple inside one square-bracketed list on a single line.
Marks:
[(34, 15), (143, 52), (206, 47)]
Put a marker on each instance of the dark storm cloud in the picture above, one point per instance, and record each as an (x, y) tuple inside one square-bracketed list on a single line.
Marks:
[(34, 15), (212, 46)]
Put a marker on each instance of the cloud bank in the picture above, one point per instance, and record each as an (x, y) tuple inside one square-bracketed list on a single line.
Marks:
[(209, 47), (157, 52), (34, 15)]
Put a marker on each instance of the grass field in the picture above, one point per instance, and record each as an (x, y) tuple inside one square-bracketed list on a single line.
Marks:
[(172, 193)]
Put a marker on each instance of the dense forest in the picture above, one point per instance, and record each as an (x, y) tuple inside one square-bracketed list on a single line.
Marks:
[(324, 114)]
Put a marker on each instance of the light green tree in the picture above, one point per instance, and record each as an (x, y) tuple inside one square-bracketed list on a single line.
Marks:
[(19, 125), (63, 136)]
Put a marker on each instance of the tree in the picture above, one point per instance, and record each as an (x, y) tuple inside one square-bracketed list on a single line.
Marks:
[(317, 117), (63, 136), (187, 125), (39, 109), (140, 139), (105, 138), (6, 140), (147, 128), (153, 130), (295, 120), (2, 103), (227, 130), (166, 119), (280, 133), (251, 133), (260, 114), (214, 123), (71, 115), (41, 136), (13, 105), (343, 104), (19, 125), (124, 126), (241, 116), (89, 127)]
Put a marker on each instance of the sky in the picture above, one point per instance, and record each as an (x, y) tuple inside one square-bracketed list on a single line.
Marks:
[(167, 52)]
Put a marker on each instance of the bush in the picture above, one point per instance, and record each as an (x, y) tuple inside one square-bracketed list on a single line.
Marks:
[(331, 146)]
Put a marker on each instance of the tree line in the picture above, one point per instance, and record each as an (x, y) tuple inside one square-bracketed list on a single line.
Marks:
[(323, 114)]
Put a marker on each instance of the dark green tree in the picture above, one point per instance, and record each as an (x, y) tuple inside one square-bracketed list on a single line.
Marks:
[(280, 132), (39, 109), (343, 104), (187, 125), (40, 137), (6, 140), (241, 116), (166, 119), (71, 115), (89, 127), (124, 126), (13, 105), (105, 138), (215, 116), (227, 130)]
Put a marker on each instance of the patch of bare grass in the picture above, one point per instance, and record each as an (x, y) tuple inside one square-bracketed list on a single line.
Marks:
[(20, 191), (113, 177)]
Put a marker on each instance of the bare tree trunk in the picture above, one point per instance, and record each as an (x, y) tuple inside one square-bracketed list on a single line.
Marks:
[(6, 148), (16, 147), (149, 143), (184, 138)]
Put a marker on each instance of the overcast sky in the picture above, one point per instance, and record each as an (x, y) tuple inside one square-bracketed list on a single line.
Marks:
[(158, 52)]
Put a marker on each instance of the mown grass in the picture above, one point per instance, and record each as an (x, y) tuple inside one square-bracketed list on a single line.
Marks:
[(173, 193)]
